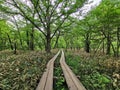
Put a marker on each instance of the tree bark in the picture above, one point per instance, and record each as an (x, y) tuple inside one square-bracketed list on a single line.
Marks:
[(87, 46), (108, 44), (10, 41), (103, 47), (87, 43), (15, 47), (48, 43), (32, 39), (118, 41), (57, 38), (28, 42)]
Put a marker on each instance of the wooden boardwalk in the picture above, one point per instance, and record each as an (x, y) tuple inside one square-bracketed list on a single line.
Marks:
[(46, 81), (72, 81)]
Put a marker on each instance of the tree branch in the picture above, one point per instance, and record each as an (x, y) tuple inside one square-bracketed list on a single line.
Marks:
[(59, 26), (40, 17), (25, 16)]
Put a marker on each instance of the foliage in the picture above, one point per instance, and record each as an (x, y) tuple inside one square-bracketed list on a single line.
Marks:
[(46, 16), (22, 71), (94, 72), (50, 24), (46, 24), (4, 30)]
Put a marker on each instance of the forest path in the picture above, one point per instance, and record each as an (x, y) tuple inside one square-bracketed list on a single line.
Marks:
[(46, 81)]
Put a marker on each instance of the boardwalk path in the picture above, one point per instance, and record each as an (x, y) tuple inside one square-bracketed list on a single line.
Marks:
[(72, 81), (46, 82)]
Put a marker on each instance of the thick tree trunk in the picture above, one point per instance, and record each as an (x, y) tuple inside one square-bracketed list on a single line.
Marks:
[(48, 40), (48, 44)]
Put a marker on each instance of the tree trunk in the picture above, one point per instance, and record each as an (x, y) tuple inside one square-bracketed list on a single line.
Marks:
[(32, 39), (87, 46), (48, 40), (28, 42), (108, 44), (87, 43), (103, 47), (10, 41), (15, 47), (1, 44), (48, 44), (57, 38), (113, 48), (118, 41)]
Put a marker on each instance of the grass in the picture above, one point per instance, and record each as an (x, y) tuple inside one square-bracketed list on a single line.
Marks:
[(99, 73)]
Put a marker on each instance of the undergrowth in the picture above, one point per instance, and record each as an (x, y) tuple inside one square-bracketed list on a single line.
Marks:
[(22, 71), (95, 74)]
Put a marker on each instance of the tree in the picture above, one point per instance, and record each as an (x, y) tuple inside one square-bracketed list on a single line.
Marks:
[(5, 38), (48, 13), (107, 15)]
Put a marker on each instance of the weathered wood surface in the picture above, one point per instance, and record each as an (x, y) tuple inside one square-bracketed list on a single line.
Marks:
[(46, 81), (72, 81)]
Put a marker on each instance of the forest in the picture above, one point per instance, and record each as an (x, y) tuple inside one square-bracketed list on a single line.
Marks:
[(33, 31)]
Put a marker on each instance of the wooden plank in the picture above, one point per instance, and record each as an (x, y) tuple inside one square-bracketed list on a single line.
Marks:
[(72, 81), (46, 81)]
